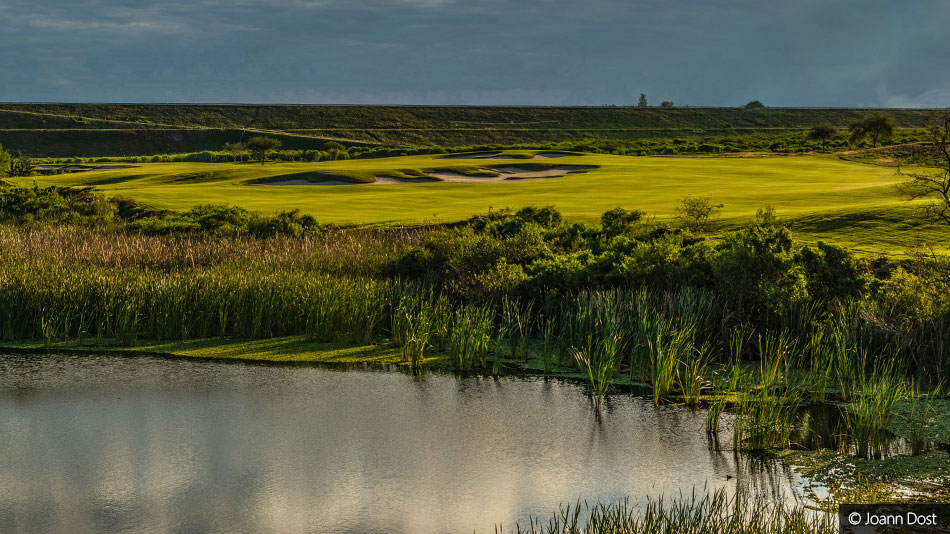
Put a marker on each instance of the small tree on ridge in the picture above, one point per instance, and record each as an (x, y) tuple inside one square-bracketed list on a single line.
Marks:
[(260, 147), (822, 133), (877, 124)]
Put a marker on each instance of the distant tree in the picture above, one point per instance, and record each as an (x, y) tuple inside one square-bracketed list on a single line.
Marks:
[(4, 161), (822, 133), (877, 124), (236, 149), (936, 183), (260, 147), (695, 212), (666, 104), (755, 104), (20, 165), (642, 103)]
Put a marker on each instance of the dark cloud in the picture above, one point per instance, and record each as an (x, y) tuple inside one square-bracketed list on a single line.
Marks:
[(699, 52)]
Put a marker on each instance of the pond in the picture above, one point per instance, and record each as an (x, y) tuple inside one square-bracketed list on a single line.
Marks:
[(105, 443)]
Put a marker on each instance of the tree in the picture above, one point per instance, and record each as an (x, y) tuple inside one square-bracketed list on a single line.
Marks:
[(20, 165), (236, 149), (666, 104), (935, 183), (642, 103), (755, 104), (4, 161), (618, 221), (695, 212), (877, 124), (822, 133), (260, 147)]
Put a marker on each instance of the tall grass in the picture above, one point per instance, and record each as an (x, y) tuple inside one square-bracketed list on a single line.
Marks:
[(697, 513), (470, 337), (668, 349), (515, 327), (871, 412), (602, 356), (413, 323)]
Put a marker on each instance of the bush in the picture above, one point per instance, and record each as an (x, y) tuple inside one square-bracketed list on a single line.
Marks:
[(619, 221), (695, 212), (289, 223), (756, 268), (63, 205), (833, 274)]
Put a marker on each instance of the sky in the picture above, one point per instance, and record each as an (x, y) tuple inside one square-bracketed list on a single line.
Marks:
[(839, 53)]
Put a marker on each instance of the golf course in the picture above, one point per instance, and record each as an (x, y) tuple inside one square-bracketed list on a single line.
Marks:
[(821, 197), (779, 290)]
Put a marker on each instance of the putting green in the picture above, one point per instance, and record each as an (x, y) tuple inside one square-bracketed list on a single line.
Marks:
[(821, 197)]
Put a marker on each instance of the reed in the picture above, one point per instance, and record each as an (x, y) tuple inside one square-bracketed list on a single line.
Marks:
[(470, 337), (602, 359), (515, 327), (413, 324), (765, 421), (918, 419), (691, 374), (714, 415), (736, 372), (715, 512), (871, 413), (668, 349)]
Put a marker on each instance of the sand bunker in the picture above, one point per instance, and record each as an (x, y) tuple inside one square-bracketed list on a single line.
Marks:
[(511, 174), (384, 180), (473, 156), (50, 169), (504, 174), (380, 180), (303, 181), (548, 155)]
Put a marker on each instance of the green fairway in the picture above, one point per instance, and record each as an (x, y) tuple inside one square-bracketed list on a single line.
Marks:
[(821, 197)]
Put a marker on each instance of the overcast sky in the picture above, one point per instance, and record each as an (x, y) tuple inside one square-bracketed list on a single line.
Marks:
[(549, 52)]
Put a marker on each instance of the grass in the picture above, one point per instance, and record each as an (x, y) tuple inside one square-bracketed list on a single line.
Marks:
[(695, 513), (820, 197)]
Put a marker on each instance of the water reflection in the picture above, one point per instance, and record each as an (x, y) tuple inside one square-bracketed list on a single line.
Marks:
[(116, 444)]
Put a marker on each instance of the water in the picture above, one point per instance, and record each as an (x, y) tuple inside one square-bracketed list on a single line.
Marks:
[(107, 444)]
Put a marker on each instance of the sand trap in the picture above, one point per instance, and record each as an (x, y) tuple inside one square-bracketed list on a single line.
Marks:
[(504, 174), (473, 156), (380, 180), (549, 155), (47, 169), (304, 181), (383, 180), (511, 174)]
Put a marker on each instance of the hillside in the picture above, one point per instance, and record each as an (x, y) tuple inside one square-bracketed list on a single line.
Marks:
[(126, 129)]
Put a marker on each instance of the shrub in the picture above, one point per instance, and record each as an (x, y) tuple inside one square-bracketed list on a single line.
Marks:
[(619, 221), (695, 212), (833, 274)]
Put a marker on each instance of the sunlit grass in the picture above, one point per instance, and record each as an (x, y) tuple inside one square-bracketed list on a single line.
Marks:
[(821, 197)]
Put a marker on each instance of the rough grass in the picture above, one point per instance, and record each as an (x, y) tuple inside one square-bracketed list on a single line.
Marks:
[(820, 197)]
